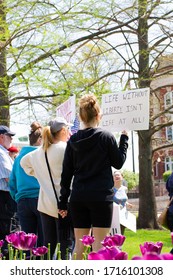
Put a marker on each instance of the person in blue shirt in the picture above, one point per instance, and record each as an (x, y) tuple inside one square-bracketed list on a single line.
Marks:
[(24, 189)]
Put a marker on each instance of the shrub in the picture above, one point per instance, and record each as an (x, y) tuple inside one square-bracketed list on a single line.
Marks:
[(131, 178), (166, 174)]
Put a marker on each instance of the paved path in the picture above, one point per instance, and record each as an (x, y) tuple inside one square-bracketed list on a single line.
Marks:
[(161, 202)]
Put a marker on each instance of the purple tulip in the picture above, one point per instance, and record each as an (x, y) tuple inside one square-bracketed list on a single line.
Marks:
[(115, 240), (147, 256), (151, 247), (1, 243), (93, 256), (166, 256), (87, 240), (121, 256), (108, 253), (154, 256), (14, 237), (21, 240), (40, 251), (103, 254)]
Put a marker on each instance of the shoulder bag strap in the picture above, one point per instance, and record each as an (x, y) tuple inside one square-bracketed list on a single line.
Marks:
[(48, 166)]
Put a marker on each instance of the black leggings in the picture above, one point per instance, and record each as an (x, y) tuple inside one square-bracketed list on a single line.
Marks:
[(51, 234), (91, 214)]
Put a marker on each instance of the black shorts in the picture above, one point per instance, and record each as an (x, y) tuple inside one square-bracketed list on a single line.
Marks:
[(91, 214)]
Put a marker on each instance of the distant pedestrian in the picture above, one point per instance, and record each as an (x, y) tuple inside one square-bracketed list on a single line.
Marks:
[(13, 152), (120, 193)]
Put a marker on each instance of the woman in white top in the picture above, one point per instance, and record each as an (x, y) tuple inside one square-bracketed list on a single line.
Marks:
[(120, 193), (54, 138)]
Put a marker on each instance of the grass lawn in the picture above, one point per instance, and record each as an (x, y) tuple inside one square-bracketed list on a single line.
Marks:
[(133, 240)]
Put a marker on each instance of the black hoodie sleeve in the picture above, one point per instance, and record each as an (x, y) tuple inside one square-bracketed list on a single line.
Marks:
[(118, 153), (66, 177)]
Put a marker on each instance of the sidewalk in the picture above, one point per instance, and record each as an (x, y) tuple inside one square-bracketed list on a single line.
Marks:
[(161, 202)]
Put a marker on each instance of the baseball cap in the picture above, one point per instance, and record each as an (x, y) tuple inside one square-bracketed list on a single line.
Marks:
[(58, 123), (5, 130), (13, 149)]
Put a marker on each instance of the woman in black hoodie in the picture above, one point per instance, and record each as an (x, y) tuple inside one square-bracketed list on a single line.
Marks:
[(89, 156)]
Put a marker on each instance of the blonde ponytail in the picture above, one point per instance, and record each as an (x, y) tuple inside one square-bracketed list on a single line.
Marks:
[(47, 138)]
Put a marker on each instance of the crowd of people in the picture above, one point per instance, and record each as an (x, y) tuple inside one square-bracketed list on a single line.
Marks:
[(62, 185)]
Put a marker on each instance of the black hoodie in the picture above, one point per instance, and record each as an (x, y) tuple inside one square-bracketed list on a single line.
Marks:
[(88, 159)]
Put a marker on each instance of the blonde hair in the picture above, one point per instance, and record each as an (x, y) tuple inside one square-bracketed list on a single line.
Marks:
[(88, 108), (48, 137), (35, 132)]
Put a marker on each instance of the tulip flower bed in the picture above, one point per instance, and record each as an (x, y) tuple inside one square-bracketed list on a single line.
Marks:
[(20, 242), (111, 250)]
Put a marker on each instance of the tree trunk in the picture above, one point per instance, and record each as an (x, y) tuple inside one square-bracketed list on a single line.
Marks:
[(4, 100), (147, 203)]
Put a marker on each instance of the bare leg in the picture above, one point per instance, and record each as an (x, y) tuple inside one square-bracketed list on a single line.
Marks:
[(99, 234), (79, 247)]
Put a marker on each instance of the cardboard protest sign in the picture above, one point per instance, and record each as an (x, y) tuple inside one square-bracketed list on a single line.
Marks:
[(124, 217), (128, 219), (67, 109), (115, 227), (127, 110)]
